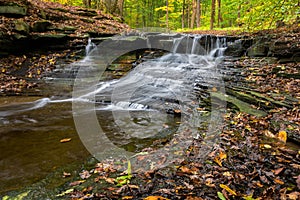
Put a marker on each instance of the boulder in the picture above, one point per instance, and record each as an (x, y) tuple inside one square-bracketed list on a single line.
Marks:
[(41, 26), (235, 49), (258, 50)]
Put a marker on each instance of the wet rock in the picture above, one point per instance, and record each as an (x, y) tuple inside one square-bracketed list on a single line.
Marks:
[(235, 49), (13, 10), (41, 26)]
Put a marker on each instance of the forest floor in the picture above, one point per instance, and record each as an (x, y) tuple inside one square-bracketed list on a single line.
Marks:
[(254, 157)]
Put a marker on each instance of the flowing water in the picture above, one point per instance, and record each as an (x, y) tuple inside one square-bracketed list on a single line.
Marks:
[(147, 104)]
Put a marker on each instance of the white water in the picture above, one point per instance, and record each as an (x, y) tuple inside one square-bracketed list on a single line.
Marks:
[(164, 83)]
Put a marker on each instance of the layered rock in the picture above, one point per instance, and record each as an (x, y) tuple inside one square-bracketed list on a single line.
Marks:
[(28, 24)]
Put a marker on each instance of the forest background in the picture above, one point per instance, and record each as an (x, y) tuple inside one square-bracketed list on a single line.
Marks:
[(246, 15)]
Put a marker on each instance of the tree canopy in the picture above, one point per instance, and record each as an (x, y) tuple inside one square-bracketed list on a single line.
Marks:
[(201, 14)]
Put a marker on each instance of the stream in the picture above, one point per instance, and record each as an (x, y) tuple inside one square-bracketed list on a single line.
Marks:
[(156, 100)]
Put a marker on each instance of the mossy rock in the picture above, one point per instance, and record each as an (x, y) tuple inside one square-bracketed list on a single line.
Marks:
[(13, 10), (242, 106), (21, 26)]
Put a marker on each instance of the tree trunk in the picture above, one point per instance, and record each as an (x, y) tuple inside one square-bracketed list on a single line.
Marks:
[(239, 15), (167, 14), (213, 12), (121, 7), (86, 3), (193, 13), (183, 15), (219, 13), (198, 13)]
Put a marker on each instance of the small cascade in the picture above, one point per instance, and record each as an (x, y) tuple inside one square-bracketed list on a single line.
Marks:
[(89, 47), (195, 46), (176, 43), (200, 45)]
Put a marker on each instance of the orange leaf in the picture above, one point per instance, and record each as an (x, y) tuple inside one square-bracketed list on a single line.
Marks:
[(278, 181), (218, 159), (228, 189), (155, 198)]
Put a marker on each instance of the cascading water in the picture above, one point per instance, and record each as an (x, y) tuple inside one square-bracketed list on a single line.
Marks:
[(89, 47), (151, 102)]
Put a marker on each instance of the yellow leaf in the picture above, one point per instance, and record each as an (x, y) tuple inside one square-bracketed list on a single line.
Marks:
[(227, 174), (267, 146), (282, 136), (218, 161), (65, 140), (127, 197), (228, 189), (214, 89), (155, 198)]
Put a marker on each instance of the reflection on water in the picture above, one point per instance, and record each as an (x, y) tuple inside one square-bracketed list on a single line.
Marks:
[(30, 142)]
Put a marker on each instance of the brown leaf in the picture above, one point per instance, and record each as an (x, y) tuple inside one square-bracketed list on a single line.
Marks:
[(294, 195), (277, 171), (85, 174), (76, 183), (298, 182)]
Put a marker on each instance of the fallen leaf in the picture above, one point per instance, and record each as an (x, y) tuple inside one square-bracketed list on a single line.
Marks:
[(76, 183), (282, 136), (267, 146), (221, 196), (298, 182), (65, 140), (66, 174), (293, 195), (84, 174), (155, 198), (228, 189), (218, 159), (278, 181), (127, 197), (277, 171)]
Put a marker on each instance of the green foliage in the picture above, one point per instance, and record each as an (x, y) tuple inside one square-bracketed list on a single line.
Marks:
[(249, 15), (125, 179)]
